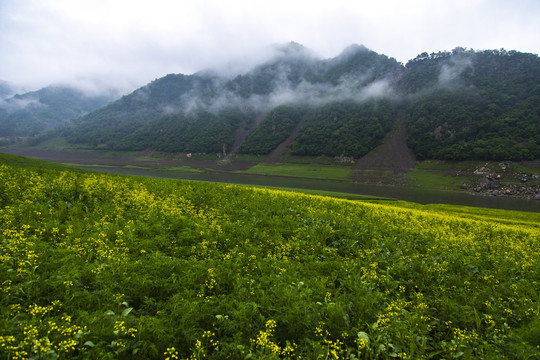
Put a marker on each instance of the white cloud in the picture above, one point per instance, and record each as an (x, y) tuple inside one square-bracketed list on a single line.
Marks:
[(128, 43)]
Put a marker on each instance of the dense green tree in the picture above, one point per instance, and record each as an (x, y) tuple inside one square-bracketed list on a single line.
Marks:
[(275, 127), (344, 128), (474, 105)]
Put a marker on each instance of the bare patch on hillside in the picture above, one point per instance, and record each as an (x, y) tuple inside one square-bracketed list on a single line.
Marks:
[(285, 146), (389, 162)]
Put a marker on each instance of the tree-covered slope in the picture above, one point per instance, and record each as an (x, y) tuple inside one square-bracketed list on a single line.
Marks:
[(458, 105), (203, 111), (345, 128), (111, 124), (34, 112), (274, 128), (474, 105), (201, 131)]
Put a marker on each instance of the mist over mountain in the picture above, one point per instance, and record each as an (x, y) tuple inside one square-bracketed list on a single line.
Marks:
[(459, 104), (6, 89), (473, 105), (33, 112), (206, 111)]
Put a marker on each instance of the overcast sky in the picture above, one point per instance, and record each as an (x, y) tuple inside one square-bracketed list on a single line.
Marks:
[(127, 43)]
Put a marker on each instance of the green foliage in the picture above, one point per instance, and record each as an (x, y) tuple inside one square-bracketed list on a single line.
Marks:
[(24, 162), (360, 61), (200, 131), (49, 108), (275, 128), (182, 113), (303, 171), (434, 180), (344, 128), (291, 64), (463, 104), (111, 125), (101, 266), (474, 105)]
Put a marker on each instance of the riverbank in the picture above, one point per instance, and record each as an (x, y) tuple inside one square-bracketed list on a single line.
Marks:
[(428, 183)]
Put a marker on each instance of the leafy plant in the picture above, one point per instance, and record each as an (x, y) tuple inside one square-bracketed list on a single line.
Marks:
[(102, 266)]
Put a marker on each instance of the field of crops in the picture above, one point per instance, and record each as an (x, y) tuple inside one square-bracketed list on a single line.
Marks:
[(112, 267)]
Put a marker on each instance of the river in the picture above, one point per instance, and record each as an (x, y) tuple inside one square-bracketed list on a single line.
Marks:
[(417, 195)]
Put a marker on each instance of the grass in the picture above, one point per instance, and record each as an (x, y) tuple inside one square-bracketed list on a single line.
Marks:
[(442, 165), (313, 160), (149, 169), (90, 166), (247, 157), (510, 217), (435, 180), (332, 194), (449, 175), (375, 173), (181, 169), (124, 154), (133, 167), (470, 166), (526, 169), (55, 143), (24, 162), (301, 171)]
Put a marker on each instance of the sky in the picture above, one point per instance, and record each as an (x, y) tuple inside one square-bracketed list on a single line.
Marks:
[(124, 44)]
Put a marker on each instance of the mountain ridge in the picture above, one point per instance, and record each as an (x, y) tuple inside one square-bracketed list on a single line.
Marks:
[(459, 104), (33, 112)]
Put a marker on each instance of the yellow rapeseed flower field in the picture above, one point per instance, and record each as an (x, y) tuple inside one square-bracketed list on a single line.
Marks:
[(101, 266)]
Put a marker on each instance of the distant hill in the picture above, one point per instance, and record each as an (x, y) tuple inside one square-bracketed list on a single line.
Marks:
[(37, 111), (461, 104)]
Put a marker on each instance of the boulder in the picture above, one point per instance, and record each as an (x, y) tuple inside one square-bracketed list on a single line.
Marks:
[(482, 171)]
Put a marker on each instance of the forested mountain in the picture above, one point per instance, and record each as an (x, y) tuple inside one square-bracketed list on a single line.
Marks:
[(33, 112), (473, 105), (203, 112), (462, 104)]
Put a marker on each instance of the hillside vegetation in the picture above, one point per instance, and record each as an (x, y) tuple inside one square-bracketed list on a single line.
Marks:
[(474, 105), (100, 266), (464, 104), (34, 112)]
